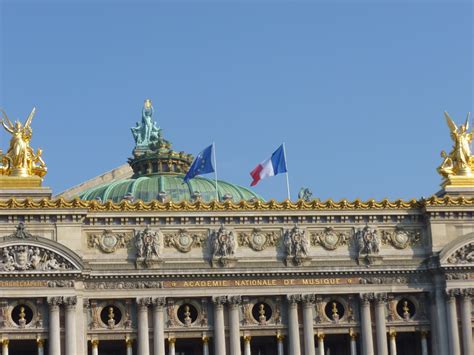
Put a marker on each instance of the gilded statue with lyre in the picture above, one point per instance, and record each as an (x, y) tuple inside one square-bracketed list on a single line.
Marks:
[(20, 159)]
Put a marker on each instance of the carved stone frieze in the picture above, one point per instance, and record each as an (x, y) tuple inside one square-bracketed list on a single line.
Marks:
[(329, 238), (222, 246), (148, 244), (401, 238), (297, 246), (61, 283), (21, 257), (184, 241), (123, 284), (464, 255), (258, 240), (108, 241), (457, 276)]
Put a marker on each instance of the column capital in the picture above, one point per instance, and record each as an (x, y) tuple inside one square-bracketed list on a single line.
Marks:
[(280, 337), (424, 334), (452, 293), (70, 302), (366, 298), (205, 339), (467, 293), (219, 300), (381, 298), (128, 341), (321, 336), (352, 334), (293, 300), (4, 341), (143, 302), (40, 342), (308, 299), (234, 301), (392, 334), (95, 342), (159, 302), (247, 338), (54, 302), (172, 340)]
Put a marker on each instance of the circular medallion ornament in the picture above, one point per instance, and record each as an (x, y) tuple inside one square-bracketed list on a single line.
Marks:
[(185, 240), (258, 241), (400, 239), (108, 242)]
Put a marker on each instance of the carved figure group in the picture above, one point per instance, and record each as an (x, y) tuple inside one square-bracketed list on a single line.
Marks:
[(458, 161), (296, 242), (223, 243), (368, 241), (148, 244), (20, 159), (21, 258)]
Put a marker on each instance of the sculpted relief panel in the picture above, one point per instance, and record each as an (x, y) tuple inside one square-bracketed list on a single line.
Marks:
[(28, 257), (108, 241)]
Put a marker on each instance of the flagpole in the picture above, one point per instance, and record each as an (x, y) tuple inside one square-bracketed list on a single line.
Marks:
[(215, 169), (287, 179)]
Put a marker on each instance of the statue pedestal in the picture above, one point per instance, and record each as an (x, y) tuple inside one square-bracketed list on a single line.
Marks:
[(23, 187), (369, 260), (148, 263), (457, 186)]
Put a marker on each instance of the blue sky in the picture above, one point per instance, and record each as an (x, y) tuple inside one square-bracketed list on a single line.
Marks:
[(355, 89)]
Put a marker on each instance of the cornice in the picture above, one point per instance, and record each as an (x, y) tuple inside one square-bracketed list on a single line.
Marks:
[(272, 205)]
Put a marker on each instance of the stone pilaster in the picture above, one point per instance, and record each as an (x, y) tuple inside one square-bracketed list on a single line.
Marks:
[(424, 342), (308, 326), (54, 327), (366, 324), (380, 323), (158, 326), (70, 320), (234, 324), (142, 316), (293, 325), (219, 326)]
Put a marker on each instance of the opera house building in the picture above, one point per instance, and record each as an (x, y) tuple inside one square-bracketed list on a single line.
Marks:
[(137, 261)]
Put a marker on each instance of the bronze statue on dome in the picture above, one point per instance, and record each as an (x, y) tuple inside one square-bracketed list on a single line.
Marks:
[(147, 134), (20, 159)]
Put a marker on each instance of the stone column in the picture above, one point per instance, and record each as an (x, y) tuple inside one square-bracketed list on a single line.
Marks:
[(70, 320), (393, 342), (5, 346), (171, 346), (320, 344), (219, 326), (54, 329), (453, 331), (366, 324), (441, 323), (40, 346), (308, 328), (424, 343), (466, 311), (234, 324), (142, 315), (247, 339), (158, 326), (353, 337), (293, 326), (95, 346), (205, 345), (128, 345), (280, 348), (380, 323)]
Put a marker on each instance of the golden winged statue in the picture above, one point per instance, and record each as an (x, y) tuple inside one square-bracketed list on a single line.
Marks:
[(20, 160), (458, 162)]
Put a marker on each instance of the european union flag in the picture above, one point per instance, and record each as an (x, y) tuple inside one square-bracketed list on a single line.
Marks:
[(202, 164)]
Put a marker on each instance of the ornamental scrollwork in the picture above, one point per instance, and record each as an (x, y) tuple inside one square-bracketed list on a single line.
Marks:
[(297, 245), (464, 255), (401, 238), (123, 285), (258, 240), (108, 242), (31, 258), (184, 241), (329, 238), (222, 245)]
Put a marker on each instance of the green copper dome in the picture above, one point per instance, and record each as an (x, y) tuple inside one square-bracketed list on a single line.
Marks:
[(167, 187), (158, 173)]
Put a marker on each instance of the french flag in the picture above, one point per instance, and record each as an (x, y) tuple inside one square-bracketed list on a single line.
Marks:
[(272, 166)]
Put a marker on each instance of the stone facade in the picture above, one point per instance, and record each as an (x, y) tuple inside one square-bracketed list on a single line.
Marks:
[(299, 278)]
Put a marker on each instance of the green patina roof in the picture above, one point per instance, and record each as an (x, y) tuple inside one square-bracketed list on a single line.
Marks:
[(147, 188)]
